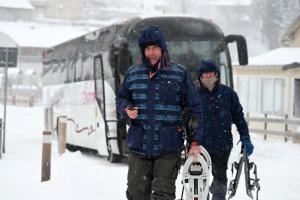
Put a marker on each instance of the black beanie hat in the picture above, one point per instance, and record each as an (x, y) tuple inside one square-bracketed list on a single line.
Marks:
[(207, 66)]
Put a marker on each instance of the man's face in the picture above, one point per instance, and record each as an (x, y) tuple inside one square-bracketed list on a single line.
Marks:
[(205, 75), (153, 53)]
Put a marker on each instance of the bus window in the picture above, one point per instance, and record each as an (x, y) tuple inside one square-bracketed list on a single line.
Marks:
[(125, 59), (98, 78), (72, 54), (135, 50), (64, 64), (87, 72), (56, 67), (87, 61), (224, 76), (47, 68), (178, 48), (78, 65), (189, 54)]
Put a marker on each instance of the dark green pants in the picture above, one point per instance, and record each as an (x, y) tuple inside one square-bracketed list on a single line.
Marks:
[(154, 176)]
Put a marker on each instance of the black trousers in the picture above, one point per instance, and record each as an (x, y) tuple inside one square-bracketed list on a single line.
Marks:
[(154, 176), (220, 164), (218, 188)]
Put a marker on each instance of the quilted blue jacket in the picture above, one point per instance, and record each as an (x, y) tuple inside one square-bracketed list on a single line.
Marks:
[(160, 100)]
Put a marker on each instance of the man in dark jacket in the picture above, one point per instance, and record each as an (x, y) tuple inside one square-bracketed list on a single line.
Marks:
[(153, 95), (221, 107)]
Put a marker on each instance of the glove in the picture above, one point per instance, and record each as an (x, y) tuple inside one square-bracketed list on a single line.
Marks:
[(245, 139)]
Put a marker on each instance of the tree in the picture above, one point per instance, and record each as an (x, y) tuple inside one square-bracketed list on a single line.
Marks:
[(292, 10), (273, 24), (274, 17)]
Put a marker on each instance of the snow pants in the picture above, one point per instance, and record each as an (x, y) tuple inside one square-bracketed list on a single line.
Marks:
[(152, 177), (218, 188)]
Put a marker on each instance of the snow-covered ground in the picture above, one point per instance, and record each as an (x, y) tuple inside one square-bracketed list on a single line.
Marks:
[(80, 176)]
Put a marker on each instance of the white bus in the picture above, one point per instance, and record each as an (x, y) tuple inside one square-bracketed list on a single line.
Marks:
[(81, 76)]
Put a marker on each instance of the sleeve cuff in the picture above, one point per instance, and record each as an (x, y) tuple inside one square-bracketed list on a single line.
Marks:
[(194, 144)]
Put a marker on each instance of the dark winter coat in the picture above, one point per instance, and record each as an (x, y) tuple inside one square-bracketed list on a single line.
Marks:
[(160, 100), (221, 107)]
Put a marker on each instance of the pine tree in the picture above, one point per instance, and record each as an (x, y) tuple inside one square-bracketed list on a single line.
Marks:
[(273, 22), (292, 11), (274, 17)]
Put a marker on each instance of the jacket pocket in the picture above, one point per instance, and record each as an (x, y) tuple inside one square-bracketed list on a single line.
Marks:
[(134, 137), (168, 91), (170, 138)]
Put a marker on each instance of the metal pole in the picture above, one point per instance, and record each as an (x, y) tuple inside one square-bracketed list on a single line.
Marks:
[(5, 98), (265, 135), (0, 138), (286, 129)]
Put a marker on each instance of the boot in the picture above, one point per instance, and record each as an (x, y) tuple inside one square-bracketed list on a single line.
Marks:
[(218, 189)]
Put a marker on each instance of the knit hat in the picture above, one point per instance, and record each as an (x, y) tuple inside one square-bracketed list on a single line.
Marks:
[(152, 35), (207, 66)]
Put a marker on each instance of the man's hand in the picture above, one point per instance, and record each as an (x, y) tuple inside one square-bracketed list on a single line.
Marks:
[(194, 150), (133, 113)]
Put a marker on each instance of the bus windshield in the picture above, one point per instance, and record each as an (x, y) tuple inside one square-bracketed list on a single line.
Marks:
[(190, 53)]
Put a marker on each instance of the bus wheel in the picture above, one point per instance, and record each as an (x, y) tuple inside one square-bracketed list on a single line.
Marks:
[(72, 148)]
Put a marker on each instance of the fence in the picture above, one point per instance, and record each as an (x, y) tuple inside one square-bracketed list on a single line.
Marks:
[(286, 133), (22, 97)]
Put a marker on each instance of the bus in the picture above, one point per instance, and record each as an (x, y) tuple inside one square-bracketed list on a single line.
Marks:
[(82, 76)]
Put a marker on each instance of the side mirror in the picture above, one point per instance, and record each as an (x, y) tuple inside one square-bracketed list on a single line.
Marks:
[(241, 47)]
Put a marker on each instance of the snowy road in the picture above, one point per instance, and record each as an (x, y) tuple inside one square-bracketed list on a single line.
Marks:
[(79, 175)]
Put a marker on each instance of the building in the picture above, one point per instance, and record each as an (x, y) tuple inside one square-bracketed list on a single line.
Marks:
[(32, 38), (16, 10), (270, 84), (266, 82), (59, 9), (40, 7), (291, 38)]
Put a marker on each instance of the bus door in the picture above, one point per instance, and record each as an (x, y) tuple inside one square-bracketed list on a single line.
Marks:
[(101, 140), (106, 133)]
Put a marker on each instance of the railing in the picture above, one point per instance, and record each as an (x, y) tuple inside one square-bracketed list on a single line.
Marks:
[(30, 100), (265, 120), (23, 96)]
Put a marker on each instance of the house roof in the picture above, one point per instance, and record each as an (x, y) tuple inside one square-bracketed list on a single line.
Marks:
[(39, 3), (14, 71), (155, 3), (291, 66), (29, 72), (277, 57), (30, 34), (290, 33), (20, 4)]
